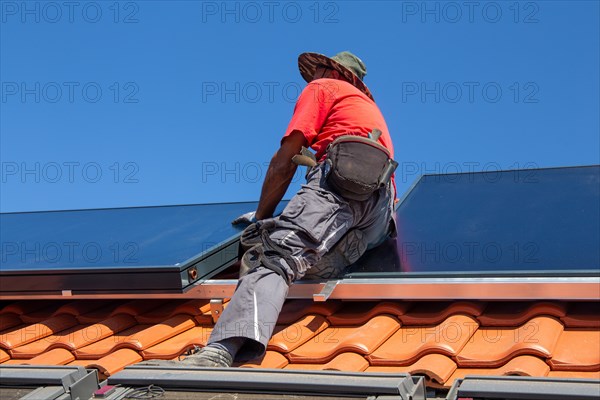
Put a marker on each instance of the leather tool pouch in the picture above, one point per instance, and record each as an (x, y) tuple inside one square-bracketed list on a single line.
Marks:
[(358, 166)]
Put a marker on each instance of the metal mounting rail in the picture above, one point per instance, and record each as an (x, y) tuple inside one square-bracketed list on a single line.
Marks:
[(373, 288), (479, 288), (52, 382), (524, 387), (266, 381), (326, 292)]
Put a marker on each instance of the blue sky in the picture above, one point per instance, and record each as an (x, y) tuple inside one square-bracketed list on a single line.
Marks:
[(113, 104)]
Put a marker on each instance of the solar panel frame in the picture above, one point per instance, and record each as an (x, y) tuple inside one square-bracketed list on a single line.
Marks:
[(364, 280), (145, 278), (395, 266)]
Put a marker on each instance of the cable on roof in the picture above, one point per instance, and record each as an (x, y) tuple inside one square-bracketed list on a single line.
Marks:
[(146, 392)]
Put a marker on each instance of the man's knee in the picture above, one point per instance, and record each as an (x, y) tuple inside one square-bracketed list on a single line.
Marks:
[(343, 254)]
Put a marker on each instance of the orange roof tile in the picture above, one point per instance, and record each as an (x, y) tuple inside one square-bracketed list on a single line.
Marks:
[(137, 307), (14, 361), (105, 310), (357, 313), (583, 315), (412, 342), (140, 337), (95, 332), (9, 320), (363, 339), (76, 337), (4, 356), (440, 340), (492, 347), (27, 307), (99, 314), (30, 333), (82, 363), (178, 344), (430, 313), (516, 313), (435, 367), (289, 337), (170, 309), (349, 361), (577, 350), (575, 374), (40, 346), (105, 346), (521, 365), (293, 310), (160, 332), (40, 315), (271, 359), (53, 357), (76, 308), (116, 361)]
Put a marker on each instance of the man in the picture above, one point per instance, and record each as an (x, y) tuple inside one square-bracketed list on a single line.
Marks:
[(319, 229)]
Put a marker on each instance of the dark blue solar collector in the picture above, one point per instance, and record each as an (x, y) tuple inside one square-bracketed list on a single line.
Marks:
[(533, 221), (163, 248)]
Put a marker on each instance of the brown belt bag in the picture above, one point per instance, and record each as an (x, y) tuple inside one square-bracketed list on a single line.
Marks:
[(358, 166)]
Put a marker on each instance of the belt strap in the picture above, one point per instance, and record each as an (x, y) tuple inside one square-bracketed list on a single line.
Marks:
[(306, 158)]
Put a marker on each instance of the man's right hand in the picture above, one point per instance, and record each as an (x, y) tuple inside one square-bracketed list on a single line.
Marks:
[(248, 218)]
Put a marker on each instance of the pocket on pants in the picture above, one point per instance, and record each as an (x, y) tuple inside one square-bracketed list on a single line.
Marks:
[(312, 211)]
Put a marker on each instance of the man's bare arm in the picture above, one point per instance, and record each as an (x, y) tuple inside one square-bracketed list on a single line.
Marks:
[(279, 174)]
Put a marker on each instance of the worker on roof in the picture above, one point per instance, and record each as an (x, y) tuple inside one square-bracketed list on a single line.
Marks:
[(345, 207)]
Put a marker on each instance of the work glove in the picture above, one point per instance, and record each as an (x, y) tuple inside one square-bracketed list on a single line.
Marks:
[(248, 218)]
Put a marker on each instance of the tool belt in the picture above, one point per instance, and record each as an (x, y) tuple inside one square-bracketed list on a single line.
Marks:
[(358, 166)]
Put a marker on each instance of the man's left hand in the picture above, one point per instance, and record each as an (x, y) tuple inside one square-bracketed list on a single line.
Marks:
[(248, 218)]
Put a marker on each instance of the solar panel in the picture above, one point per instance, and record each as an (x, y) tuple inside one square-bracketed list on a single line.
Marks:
[(522, 221), (162, 248)]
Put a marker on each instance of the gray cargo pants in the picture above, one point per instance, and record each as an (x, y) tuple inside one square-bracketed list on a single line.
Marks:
[(292, 243)]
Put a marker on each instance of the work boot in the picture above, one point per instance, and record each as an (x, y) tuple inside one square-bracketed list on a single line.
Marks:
[(208, 357)]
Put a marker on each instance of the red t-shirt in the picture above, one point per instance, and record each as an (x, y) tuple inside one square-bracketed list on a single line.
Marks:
[(329, 108)]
